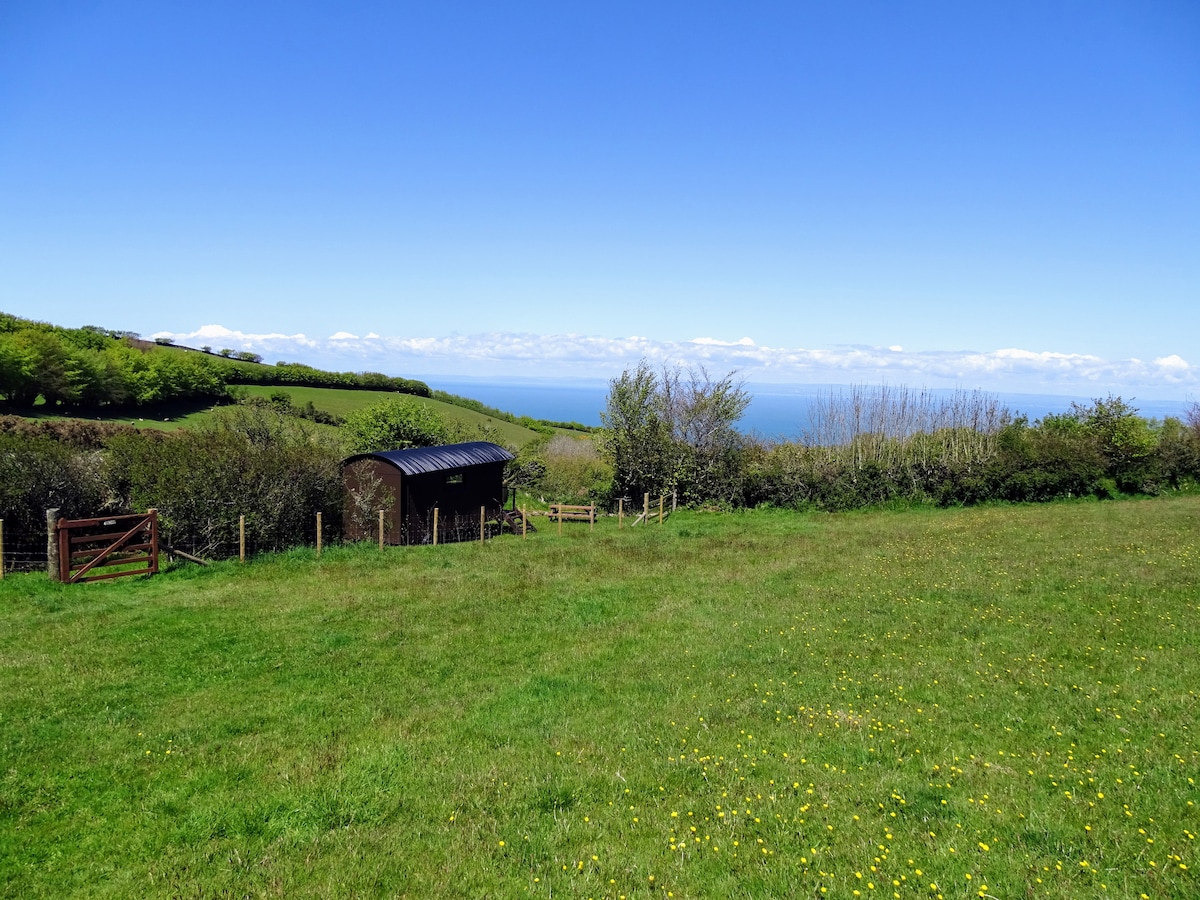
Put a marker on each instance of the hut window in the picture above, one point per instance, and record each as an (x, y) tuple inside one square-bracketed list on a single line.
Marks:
[(456, 478)]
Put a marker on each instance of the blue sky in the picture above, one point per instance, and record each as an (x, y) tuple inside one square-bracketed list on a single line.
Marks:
[(996, 195)]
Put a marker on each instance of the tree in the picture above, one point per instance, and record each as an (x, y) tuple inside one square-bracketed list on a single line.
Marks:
[(17, 383), (673, 432), (702, 414), (635, 438), (1124, 438), (395, 424)]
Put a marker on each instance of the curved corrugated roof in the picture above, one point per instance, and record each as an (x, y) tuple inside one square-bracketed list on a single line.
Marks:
[(439, 459)]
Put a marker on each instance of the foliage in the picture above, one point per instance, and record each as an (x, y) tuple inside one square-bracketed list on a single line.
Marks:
[(702, 413), (1124, 439), (281, 401), (75, 434), (1178, 451), (874, 448), (674, 432), (562, 468), (300, 375), (38, 473), (249, 461), (636, 437), (1057, 459), (394, 424), (91, 367)]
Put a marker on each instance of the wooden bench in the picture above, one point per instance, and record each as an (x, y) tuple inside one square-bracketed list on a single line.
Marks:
[(562, 511)]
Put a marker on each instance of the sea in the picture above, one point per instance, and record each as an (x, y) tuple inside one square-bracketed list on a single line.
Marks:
[(776, 411)]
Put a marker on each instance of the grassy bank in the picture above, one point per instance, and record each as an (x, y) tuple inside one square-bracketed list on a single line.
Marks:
[(990, 702), (338, 401)]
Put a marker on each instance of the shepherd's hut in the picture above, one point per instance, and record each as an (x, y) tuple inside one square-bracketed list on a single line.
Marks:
[(456, 480)]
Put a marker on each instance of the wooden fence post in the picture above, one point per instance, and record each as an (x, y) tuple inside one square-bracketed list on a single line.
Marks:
[(592, 518), (660, 509), (435, 525), (53, 568), (646, 508), (481, 516), (381, 529), (152, 512), (319, 534), (560, 521), (242, 539), (620, 512)]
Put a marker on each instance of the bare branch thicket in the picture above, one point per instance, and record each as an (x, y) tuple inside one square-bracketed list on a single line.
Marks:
[(1192, 416), (701, 413), (563, 446), (893, 427)]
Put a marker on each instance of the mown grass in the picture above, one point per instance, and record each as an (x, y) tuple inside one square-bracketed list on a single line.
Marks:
[(992, 702)]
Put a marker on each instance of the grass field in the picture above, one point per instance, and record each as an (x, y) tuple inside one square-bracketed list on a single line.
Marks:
[(997, 702), (161, 416), (342, 402), (338, 401)]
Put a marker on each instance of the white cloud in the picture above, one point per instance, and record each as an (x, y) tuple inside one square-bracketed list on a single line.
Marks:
[(1172, 364), (240, 340), (744, 342), (576, 355)]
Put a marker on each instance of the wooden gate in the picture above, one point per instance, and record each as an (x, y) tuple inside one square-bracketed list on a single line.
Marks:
[(86, 545)]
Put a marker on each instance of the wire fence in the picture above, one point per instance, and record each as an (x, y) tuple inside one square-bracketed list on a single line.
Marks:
[(26, 550), (240, 536), (21, 550)]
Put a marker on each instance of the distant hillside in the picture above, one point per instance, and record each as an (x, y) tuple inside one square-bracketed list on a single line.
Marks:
[(340, 403), (96, 368), (47, 372)]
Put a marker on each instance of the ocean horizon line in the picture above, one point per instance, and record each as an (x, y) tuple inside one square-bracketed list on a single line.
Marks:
[(777, 410)]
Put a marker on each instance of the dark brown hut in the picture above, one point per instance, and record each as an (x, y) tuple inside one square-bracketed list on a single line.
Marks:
[(457, 480)]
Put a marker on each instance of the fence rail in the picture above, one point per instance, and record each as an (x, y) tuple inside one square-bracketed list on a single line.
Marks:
[(237, 537)]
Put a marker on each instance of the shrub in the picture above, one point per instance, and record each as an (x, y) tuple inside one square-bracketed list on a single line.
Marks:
[(250, 461), (395, 424), (39, 473), (1057, 459), (574, 471)]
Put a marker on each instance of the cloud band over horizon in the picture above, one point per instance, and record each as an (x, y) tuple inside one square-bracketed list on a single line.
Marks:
[(590, 356)]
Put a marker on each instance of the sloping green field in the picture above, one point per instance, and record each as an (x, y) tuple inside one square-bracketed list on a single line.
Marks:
[(996, 702), (338, 401), (342, 402)]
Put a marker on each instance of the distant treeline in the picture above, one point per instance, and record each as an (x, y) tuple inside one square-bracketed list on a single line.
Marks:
[(96, 367)]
